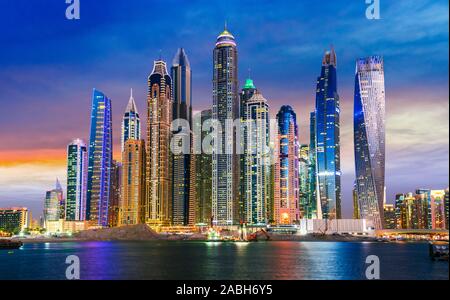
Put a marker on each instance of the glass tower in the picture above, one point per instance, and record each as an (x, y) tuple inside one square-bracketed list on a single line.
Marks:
[(131, 123), (286, 168), (100, 160), (183, 206), (54, 204), (77, 164), (327, 148), (313, 202), (369, 138), (158, 206), (225, 161), (256, 156)]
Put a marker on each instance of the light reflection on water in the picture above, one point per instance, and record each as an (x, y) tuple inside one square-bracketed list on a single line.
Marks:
[(218, 260)]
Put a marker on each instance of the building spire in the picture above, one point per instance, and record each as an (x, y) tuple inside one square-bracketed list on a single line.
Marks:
[(131, 107)]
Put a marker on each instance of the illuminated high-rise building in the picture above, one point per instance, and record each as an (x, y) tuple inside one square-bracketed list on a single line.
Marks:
[(389, 216), (158, 193), (327, 140), (303, 169), (203, 169), (423, 203), (256, 157), (355, 202), (225, 160), (286, 168), (183, 212), (400, 213), (369, 138), (100, 160), (446, 207), (77, 164), (14, 219), (131, 122), (54, 204), (131, 207), (313, 202), (114, 195), (437, 209)]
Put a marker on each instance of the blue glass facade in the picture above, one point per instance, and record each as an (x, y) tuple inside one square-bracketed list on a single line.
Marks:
[(100, 160), (327, 135)]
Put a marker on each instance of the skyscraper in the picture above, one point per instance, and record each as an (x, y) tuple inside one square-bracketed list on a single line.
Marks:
[(158, 204), (225, 161), (183, 201), (203, 174), (131, 207), (77, 164), (286, 168), (54, 204), (438, 209), (131, 123), (100, 160), (327, 136), (446, 207), (256, 156), (369, 138), (313, 202), (114, 195), (303, 173)]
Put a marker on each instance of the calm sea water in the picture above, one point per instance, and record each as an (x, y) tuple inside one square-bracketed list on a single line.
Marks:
[(202, 260)]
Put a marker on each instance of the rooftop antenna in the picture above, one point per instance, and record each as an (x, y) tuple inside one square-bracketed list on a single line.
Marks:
[(249, 73), (160, 54), (226, 27)]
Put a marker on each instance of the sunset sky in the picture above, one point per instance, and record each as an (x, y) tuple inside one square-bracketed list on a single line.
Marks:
[(49, 65)]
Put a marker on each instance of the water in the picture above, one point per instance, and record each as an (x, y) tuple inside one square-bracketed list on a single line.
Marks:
[(202, 260)]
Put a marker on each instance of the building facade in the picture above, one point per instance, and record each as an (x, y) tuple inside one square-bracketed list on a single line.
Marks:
[(225, 160), (115, 193), (54, 204), (369, 138), (256, 158), (203, 167), (132, 201), (131, 122), (303, 177), (100, 160), (313, 203), (183, 202), (286, 168), (327, 139), (14, 219), (158, 204), (77, 164), (389, 216)]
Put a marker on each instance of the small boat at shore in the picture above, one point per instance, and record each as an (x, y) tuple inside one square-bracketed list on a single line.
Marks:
[(438, 250), (10, 244)]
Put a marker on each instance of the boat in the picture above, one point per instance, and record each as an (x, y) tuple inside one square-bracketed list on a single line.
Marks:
[(438, 250), (10, 244)]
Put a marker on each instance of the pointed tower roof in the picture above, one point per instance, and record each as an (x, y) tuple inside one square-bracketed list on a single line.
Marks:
[(225, 38), (131, 107), (160, 67), (58, 185), (249, 84), (180, 59), (329, 57)]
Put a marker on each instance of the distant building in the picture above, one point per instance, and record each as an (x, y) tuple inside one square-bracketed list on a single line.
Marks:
[(100, 160), (286, 168), (437, 208), (77, 165), (303, 169), (446, 205), (400, 211), (356, 214), (114, 195), (14, 219), (389, 216), (132, 202), (203, 167), (54, 204), (369, 138), (314, 202)]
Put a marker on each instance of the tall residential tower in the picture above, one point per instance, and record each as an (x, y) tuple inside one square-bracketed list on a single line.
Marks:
[(77, 164), (369, 138), (100, 160)]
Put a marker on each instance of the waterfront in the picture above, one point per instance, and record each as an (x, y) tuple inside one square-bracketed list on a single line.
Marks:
[(202, 260)]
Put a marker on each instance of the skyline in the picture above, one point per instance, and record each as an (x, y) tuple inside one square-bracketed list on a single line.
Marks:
[(424, 80)]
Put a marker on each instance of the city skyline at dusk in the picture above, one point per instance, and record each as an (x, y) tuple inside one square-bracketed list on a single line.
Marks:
[(48, 84)]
